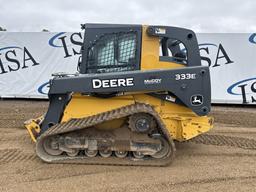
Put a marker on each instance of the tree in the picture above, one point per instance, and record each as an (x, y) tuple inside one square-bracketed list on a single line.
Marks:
[(2, 29)]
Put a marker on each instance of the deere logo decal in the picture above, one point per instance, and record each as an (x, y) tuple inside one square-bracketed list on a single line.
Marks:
[(110, 83), (197, 100)]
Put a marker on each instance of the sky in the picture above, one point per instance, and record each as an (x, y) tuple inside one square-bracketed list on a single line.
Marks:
[(67, 15)]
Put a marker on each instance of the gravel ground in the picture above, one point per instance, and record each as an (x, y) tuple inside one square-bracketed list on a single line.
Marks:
[(201, 165)]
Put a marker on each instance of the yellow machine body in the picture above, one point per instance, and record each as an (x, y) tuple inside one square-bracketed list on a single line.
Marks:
[(181, 122)]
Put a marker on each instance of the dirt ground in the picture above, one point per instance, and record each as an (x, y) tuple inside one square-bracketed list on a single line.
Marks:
[(225, 161)]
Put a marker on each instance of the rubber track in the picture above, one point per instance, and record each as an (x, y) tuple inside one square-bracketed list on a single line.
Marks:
[(78, 124), (222, 140)]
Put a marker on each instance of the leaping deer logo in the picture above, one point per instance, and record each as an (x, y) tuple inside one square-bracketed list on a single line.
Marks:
[(197, 100)]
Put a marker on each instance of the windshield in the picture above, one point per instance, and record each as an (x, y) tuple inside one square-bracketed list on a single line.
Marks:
[(112, 52)]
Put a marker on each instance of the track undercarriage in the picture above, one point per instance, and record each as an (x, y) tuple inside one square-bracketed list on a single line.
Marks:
[(140, 140)]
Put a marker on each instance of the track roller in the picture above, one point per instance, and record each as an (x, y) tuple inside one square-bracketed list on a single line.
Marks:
[(121, 154), (138, 154), (105, 153), (90, 153), (73, 152)]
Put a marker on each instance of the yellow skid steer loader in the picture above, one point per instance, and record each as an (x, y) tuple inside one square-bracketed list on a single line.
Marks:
[(138, 89)]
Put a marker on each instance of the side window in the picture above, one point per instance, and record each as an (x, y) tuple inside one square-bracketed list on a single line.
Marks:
[(173, 51), (112, 53)]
